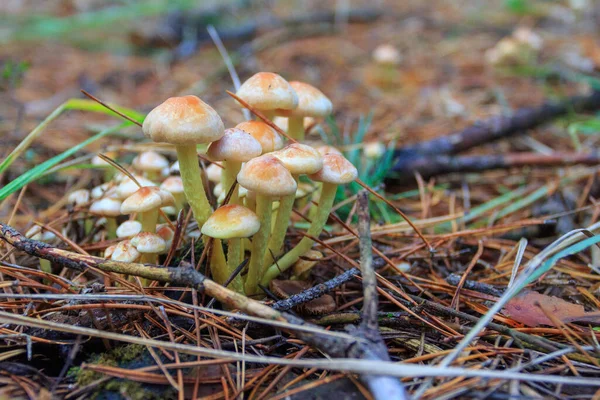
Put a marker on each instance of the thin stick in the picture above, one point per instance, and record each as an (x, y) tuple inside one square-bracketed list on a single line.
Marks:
[(262, 117), (119, 113)]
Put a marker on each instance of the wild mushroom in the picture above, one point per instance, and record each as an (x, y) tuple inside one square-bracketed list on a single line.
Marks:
[(185, 122), (234, 148), (111, 209), (268, 92), (268, 138), (79, 197), (147, 201), (151, 164), (232, 222), (150, 245), (298, 159), (127, 187), (125, 251), (174, 185), (213, 173), (129, 229), (311, 103), (301, 268), (336, 171), (328, 149), (269, 178)]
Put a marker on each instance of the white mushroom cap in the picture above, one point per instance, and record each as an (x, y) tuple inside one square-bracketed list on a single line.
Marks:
[(146, 242), (268, 91), (129, 229), (387, 54), (214, 172), (231, 221), (235, 145), (299, 158), (79, 197), (104, 190), (374, 149), (267, 176), (166, 233), (109, 251), (145, 199), (183, 121), (128, 187), (268, 138), (125, 251), (173, 185), (150, 161), (311, 102), (218, 190), (336, 169), (36, 233), (106, 207)]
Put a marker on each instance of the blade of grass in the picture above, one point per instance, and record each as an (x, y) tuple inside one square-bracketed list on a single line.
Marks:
[(72, 104), (39, 170)]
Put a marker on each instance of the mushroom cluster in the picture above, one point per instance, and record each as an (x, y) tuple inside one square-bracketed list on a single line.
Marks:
[(257, 175)]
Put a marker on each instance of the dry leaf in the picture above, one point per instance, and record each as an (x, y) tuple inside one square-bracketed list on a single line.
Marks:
[(523, 309)]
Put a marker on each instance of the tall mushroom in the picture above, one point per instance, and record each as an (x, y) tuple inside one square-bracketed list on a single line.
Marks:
[(234, 148), (298, 159), (185, 122), (232, 222), (268, 92), (268, 138), (311, 103), (337, 170), (269, 179)]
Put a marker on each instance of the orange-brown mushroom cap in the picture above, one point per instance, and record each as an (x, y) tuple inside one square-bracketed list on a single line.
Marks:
[(300, 158), (268, 138), (336, 169), (183, 120), (231, 221), (268, 91), (267, 176)]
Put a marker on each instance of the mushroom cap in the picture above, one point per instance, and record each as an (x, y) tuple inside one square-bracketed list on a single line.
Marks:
[(150, 161), (387, 54), (302, 267), (183, 120), (268, 138), (267, 176), (167, 233), (129, 229), (106, 207), (145, 199), (147, 242), (173, 185), (213, 173), (268, 91), (299, 158), (79, 197), (328, 149), (125, 251), (374, 149), (311, 102), (231, 221), (336, 169), (235, 145), (109, 251), (127, 187)]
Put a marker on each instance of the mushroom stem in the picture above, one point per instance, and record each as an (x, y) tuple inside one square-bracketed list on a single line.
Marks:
[(149, 220), (285, 262), (232, 168), (111, 227), (259, 243), (296, 128), (149, 258), (282, 221), (192, 183)]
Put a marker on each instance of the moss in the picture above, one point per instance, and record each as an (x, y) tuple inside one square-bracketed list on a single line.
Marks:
[(118, 357)]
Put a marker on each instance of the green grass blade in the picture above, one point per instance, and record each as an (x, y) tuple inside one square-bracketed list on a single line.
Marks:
[(39, 170), (72, 104)]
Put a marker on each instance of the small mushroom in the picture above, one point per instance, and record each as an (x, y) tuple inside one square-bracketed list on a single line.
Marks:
[(129, 229), (232, 222), (147, 201), (150, 245), (234, 148), (125, 251), (268, 138), (269, 178), (151, 164), (301, 268), (268, 92), (337, 170), (174, 185), (311, 103), (185, 122), (111, 209)]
